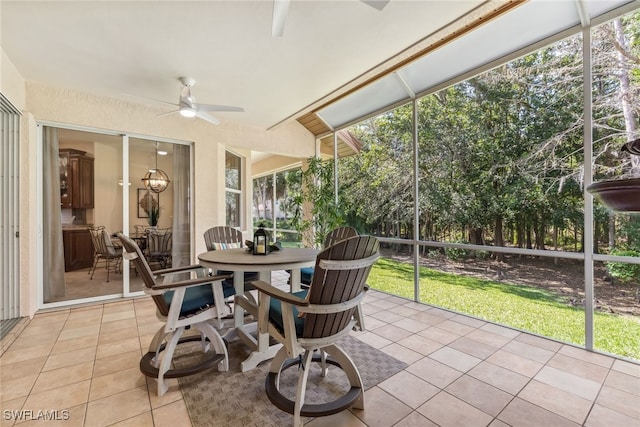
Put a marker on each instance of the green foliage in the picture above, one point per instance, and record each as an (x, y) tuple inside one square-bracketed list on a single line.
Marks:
[(519, 306), (317, 189), (622, 271), (154, 214), (456, 254)]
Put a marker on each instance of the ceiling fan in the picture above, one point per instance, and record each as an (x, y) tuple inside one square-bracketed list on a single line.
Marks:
[(281, 9), (187, 106)]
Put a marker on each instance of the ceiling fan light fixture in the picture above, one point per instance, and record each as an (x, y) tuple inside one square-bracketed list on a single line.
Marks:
[(187, 111)]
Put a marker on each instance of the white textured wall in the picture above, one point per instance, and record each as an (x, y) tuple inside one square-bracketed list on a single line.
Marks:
[(64, 106), (12, 85)]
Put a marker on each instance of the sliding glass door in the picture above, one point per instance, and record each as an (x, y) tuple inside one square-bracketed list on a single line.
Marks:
[(86, 201)]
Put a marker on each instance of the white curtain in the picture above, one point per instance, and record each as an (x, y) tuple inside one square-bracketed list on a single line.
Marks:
[(181, 253), (53, 251)]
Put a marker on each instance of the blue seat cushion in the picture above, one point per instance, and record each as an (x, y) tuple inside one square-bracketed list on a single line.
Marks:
[(305, 275), (196, 298), (275, 313)]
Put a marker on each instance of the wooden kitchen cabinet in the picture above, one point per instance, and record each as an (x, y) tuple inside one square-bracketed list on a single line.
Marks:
[(77, 180), (78, 249)]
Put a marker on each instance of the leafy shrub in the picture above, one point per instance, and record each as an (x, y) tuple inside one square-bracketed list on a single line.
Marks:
[(456, 253), (623, 271)]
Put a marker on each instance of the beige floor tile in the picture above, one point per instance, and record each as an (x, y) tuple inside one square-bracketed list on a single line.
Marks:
[(116, 382), (21, 369), (500, 330), (129, 404), (70, 358), (539, 342), (385, 304), (557, 401), (437, 334), (402, 353), (87, 313), (37, 351), (124, 346), (371, 323), (605, 417), (52, 317), (77, 332), (119, 315), (172, 394), (488, 338), (129, 324), (59, 398), (579, 386), (34, 340), (587, 356), (428, 318), (342, 419), (115, 307), (149, 328), (411, 325), (415, 419), (420, 344), (387, 316), (620, 401), (499, 377), (19, 387), (455, 359), (456, 327), (624, 382), (392, 333), (11, 411), (466, 320), (82, 323), (473, 347), (108, 337), (434, 372), (52, 328), (63, 376), (627, 368), (143, 420), (516, 363), (171, 415), (403, 310), (447, 410), (75, 344), (381, 409), (374, 340), (479, 394), (72, 417), (119, 362), (524, 414), (579, 367), (529, 351), (409, 389)]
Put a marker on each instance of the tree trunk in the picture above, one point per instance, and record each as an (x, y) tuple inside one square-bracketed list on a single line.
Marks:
[(499, 238)]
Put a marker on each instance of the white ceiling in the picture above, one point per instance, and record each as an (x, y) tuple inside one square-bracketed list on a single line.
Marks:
[(135, 50)]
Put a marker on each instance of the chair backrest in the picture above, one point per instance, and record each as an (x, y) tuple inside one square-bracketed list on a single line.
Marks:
[(339, 284), (338, 234), (222, 237), (159, 241), (140, 230), (101, 241), (134, 254)]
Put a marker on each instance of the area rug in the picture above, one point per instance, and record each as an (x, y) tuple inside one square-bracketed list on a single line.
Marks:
[(237, 399)]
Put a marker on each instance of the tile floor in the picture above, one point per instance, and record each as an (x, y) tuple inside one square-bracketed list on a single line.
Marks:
[(83, 362)]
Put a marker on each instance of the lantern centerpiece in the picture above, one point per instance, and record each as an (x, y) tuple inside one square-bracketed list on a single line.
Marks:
[(260, 241)]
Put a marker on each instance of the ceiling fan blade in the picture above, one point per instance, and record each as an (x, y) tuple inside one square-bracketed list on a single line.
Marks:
[(168, 113), (280, 10), (210, 107), (378, 4), (207, 117)]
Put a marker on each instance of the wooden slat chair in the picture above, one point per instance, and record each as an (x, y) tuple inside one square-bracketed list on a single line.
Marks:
[(332, 237), (159, 246), (318, 322), (183, 304), (104, 251), (224, 237)]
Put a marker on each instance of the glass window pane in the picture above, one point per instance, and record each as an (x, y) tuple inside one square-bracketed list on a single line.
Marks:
[(233, 209), (288, 188), (233, 171), (262, 201)]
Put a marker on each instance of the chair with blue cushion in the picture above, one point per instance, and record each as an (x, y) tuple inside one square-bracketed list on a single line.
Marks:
[(310, 327), (183, 302), (334, 236)]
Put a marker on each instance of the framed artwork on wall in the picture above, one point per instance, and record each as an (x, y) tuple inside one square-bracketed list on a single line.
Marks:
[(148, 201)]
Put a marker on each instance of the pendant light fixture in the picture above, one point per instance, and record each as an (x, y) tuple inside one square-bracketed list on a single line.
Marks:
[(156, 180)]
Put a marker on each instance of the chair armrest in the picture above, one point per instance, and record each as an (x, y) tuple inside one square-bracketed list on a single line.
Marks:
[(276, 293), (177, 269), (191, 282)]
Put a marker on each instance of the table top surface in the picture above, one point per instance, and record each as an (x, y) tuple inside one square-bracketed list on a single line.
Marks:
[(240, 257)]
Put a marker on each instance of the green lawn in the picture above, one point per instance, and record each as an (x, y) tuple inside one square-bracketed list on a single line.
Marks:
[(522, 307)]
